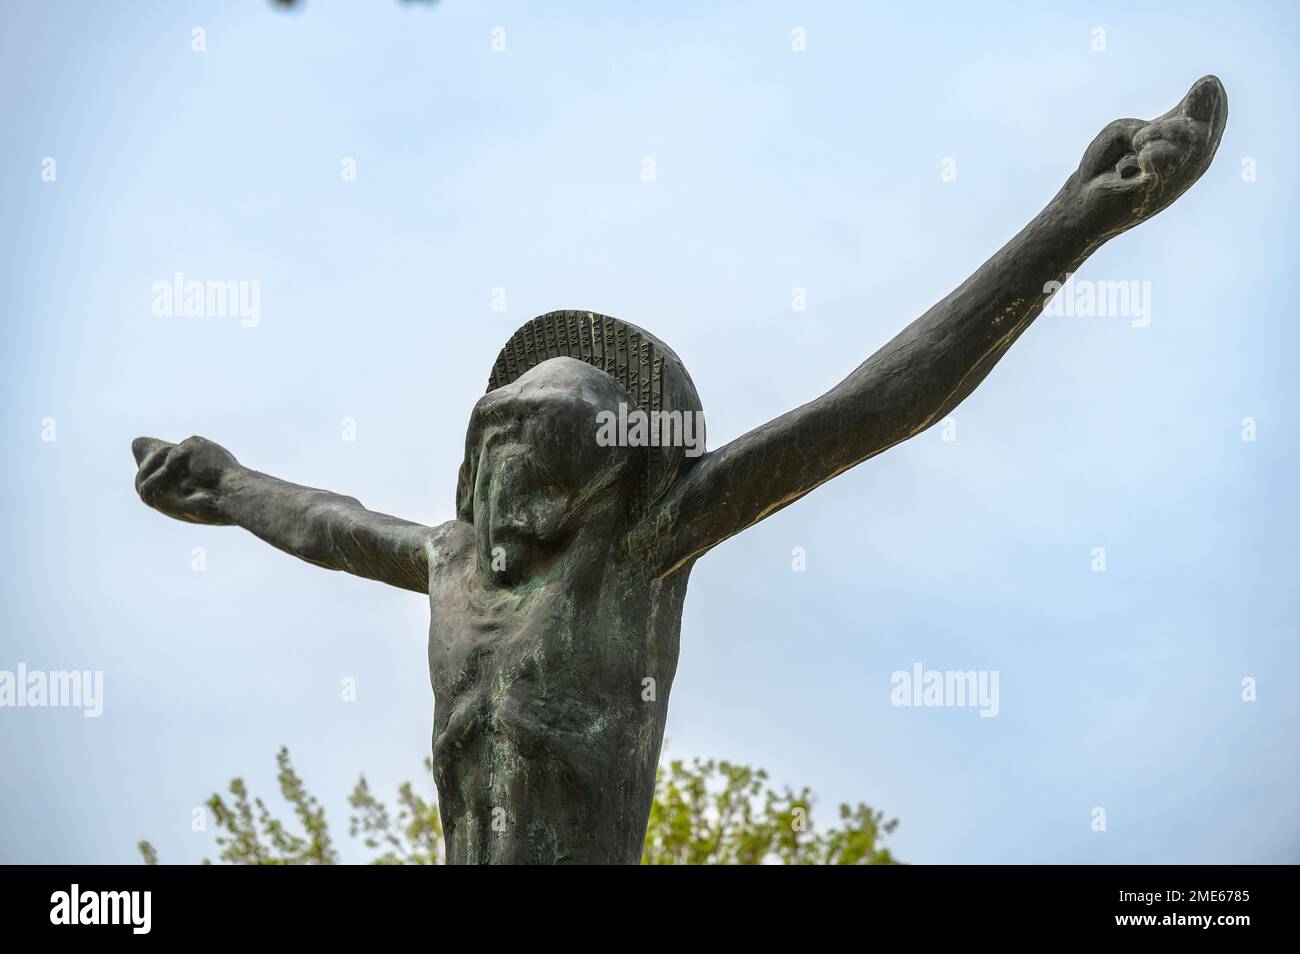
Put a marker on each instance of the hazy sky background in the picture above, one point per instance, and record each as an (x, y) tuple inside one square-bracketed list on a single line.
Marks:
[(775, 169)]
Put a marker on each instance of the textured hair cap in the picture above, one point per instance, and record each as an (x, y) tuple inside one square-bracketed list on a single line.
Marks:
[(649, 369)]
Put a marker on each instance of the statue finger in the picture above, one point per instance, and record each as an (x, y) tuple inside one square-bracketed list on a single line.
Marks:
[(151, 465), (142, 447), (153, 476)]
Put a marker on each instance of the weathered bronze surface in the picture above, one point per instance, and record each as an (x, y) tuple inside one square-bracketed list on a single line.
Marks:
[(556, 594)]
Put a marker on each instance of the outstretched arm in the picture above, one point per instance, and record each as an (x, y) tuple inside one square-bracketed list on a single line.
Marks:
[(201, 482), (1131, 171)]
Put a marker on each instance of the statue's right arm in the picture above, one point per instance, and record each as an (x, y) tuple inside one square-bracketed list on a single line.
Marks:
[(201, 482)]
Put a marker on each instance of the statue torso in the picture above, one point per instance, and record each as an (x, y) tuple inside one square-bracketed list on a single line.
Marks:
[(550, 703)]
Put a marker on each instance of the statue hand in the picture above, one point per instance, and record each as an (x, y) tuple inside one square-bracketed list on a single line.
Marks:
[(183, 480), (1133, 169)]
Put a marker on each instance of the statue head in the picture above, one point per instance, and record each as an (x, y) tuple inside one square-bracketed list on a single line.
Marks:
[(535, 465)]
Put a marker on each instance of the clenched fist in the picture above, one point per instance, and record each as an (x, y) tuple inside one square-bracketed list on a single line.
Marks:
[(1133, 169), (184, 480)]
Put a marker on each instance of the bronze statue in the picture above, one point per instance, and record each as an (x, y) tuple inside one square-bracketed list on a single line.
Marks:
[(556, 594)]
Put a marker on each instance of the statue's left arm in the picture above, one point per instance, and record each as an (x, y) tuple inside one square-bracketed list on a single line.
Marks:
[(1131, 171)]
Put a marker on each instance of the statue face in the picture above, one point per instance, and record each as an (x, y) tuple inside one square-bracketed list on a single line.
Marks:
[(534, 471)]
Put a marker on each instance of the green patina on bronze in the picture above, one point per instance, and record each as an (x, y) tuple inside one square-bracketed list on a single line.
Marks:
[(556, 595)]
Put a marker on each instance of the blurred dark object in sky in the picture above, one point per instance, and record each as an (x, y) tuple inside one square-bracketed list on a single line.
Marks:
[(297, 3)]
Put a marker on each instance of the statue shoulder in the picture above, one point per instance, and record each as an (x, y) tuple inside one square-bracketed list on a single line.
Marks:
[(450, 542)]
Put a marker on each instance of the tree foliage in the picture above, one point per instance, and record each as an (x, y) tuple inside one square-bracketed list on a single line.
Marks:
[(704, 812), (720, 813)]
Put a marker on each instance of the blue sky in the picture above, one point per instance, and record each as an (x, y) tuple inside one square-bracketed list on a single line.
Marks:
[(775, 169)]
